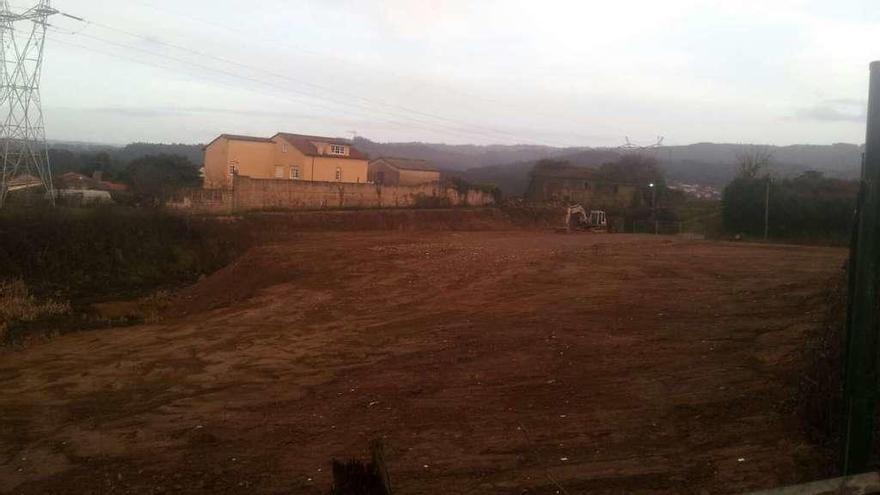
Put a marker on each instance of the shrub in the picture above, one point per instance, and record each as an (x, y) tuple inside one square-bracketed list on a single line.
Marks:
[(109, 251), (820, 390), (808, 207), (18, 305)]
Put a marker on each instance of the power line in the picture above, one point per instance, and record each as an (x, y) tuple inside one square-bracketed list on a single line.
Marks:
[(227, 28), (189, 65), (345, 105), (461, 126), (457, 131), (318, 87)]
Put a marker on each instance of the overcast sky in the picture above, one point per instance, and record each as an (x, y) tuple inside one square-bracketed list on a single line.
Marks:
[(574, 73)]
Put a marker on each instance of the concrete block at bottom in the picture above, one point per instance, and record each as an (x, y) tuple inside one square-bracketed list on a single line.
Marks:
[(862, 484)]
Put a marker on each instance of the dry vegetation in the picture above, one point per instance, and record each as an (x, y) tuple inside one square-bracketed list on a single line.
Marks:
[(18, 305)]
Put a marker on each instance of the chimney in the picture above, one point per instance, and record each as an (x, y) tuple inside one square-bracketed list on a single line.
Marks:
[(98, 175)]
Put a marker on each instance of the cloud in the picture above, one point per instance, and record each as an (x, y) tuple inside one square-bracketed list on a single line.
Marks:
[(836, 110)]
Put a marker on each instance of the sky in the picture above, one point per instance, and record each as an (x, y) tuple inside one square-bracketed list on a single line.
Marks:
[(548, 72)]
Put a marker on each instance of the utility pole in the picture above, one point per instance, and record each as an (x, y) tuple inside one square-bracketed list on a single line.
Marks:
[(23, 148), (767, 210), (860, 372)]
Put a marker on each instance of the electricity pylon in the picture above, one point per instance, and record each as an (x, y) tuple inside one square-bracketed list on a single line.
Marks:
[(23, 148), (630, 147)]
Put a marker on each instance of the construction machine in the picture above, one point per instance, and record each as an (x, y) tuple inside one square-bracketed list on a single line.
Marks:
[(576, 217)]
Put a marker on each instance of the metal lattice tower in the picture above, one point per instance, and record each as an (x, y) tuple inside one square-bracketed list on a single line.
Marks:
[(630, 147), (23, 148)]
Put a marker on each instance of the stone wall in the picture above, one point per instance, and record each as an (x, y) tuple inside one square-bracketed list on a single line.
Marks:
[(592, 193), (249, 194)]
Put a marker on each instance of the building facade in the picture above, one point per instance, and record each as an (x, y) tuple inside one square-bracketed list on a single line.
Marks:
[(402, 172), (283, 156), (580, 185)]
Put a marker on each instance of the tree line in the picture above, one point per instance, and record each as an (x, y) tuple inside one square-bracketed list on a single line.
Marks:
[(809, 206), (150, 178)]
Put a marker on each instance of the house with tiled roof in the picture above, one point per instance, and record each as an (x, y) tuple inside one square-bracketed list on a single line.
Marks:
[(77, 181), (22, 182), (392, 171), (284, 156)]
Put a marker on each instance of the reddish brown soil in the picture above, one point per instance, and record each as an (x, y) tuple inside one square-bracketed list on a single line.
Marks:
[(490, 362)]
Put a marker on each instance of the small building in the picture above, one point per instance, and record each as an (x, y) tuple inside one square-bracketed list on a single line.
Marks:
[(84, 197), (283, 156), (23, 182), (392, 171), (579, 185), (79, 182)]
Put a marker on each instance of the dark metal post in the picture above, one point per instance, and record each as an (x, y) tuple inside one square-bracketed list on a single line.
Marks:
[(860, 378), (654, 208), (767, 210)]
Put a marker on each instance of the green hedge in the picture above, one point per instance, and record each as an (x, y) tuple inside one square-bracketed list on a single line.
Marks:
[(808, 207), (96, 253)]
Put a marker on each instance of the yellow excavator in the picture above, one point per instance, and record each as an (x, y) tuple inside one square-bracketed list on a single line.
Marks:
[(576, 218)]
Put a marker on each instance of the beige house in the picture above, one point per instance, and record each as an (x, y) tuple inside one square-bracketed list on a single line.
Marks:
[(391, 171), (283, 156)]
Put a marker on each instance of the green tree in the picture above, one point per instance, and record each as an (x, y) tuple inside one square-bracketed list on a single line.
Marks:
[(742, 205), (152, 178), (809, 206)]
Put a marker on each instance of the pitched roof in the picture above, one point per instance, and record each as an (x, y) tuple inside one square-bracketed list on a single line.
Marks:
[(303, 143), (407, 163), (23, 181), (237, 137), (81, 181)]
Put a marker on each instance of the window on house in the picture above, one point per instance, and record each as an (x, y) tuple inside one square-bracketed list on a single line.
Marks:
[(337, 149), (294, 173), (233, 168), (279, 172), (284, 147), (338, 173)]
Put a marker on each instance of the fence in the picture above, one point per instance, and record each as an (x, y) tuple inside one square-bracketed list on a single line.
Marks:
[(657, 227), (691, 230)]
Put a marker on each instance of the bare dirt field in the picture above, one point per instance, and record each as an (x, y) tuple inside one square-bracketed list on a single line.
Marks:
[(489, 362)]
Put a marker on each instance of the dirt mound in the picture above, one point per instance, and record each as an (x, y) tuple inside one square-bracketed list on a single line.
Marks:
[(255, 270), (260, 266)]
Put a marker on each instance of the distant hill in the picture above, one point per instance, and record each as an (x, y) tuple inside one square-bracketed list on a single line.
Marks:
[(462, 157), (715, 164), (508, 166), (703, 163)]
